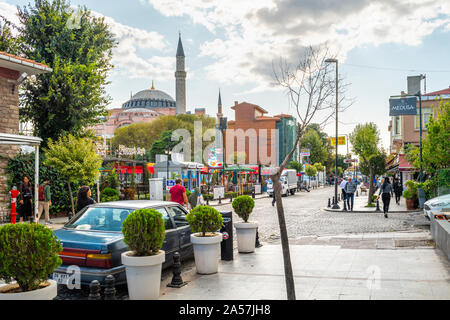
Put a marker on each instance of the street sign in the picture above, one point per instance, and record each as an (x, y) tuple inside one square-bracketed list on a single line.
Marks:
[(350, 160), (341, 141), (170, 184), (402, 106), (305, 153)]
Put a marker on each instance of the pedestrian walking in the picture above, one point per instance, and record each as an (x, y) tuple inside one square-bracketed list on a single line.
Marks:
[(386, 193), (45, 201), (398, 190), (196, 198), (84, 198), (350, 189), (177, 193), (342, 186), (25, 200)]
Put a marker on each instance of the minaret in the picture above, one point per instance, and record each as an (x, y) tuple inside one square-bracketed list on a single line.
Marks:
[(180, 76), (219, 108)]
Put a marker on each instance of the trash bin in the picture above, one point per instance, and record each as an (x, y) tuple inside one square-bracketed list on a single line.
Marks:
[(226, 245)]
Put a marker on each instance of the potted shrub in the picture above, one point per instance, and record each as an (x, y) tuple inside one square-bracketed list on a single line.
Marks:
[(144, 233), (204, 222), (245, 231), (109, 194), (28, 254), (410, 194)]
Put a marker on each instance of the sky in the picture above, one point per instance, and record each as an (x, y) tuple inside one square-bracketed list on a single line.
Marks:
[(232, 45)]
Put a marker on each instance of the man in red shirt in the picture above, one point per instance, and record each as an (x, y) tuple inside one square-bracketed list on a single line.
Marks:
[(178, 193)]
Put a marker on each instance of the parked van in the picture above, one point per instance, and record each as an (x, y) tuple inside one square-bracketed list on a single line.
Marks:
[(288, 181)]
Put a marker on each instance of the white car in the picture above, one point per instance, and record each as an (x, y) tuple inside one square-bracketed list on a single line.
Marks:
[(435, 205)]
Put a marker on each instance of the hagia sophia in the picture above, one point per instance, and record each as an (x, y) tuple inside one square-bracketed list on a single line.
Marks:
[(147, 105)]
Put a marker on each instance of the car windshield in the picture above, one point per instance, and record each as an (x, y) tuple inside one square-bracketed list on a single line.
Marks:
[(100, 219)]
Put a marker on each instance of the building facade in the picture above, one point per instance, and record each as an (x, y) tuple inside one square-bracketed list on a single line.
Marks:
[(405, 130)]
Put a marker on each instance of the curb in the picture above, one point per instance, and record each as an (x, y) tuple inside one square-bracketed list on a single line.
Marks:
[(360, 211)]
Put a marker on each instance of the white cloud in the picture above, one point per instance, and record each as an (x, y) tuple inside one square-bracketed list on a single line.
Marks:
[(257, 32), (9, 12)]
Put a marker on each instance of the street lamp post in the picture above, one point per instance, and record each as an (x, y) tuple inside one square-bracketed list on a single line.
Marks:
[(335, 204), (420, 138), (167, 168)]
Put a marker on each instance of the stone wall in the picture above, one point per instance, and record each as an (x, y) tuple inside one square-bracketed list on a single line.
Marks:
[(9, 123)]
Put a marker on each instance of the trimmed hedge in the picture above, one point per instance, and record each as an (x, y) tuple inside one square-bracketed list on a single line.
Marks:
[(28, 254), (204, 219), (109, 194), (243, 206), (144, 232)]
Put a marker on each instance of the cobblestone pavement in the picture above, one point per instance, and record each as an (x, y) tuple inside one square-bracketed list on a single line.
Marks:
[(305, 217)]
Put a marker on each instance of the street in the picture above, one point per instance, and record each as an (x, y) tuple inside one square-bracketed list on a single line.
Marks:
[(305, 217)]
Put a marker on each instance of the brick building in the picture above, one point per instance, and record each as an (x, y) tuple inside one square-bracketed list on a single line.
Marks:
[(13, 70), (264, 139)]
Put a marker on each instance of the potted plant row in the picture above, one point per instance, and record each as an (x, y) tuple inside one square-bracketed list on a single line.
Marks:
[(205, 221), (28, 255), (144, 233), (245, 231)]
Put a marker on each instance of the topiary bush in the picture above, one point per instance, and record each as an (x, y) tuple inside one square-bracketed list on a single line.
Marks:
[(28, 254), (109, 194), (144, 232), (204, 219), (243, 206)]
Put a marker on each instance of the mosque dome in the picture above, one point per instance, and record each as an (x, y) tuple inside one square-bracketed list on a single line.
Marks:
[(150, 98)]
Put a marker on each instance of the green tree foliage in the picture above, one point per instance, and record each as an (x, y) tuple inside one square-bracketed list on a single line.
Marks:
[(109, 194), (365, 139), (310, 170), (243, 206), (204, 219), (378, 163), (162, 144), (296, 166), (318, 151), (144, 231), (74, 159), (28, 254), (8, 43), (143, 135), (72, 97), (318, 166)]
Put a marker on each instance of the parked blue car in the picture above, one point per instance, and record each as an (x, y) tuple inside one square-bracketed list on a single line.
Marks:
[(93, 240)]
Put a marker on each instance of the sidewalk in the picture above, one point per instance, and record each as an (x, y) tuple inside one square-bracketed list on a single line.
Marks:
[(361, 201), (406, 268)]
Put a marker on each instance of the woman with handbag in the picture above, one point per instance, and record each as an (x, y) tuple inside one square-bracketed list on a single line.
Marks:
[(386, 193), (26, 200)]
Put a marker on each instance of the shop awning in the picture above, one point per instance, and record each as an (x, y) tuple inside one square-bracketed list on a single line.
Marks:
[(404, 165)]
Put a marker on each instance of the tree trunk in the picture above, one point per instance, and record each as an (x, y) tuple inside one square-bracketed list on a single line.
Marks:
[(71, 197), (288, 274), (371, 188)]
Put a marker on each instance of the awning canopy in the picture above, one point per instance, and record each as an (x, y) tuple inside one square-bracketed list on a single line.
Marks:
[(19, 140), (404, 165)]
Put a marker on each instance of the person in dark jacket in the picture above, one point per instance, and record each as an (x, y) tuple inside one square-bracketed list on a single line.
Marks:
[(26, 200), (398, 190), (386, 193), (84, 198)]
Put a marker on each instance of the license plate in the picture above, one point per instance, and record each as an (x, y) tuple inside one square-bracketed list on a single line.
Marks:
[(61, 278)]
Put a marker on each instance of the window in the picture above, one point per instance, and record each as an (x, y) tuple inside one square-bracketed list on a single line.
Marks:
[(397, 125), (167, 222), (100, 219), (426, 114), (179, 215)]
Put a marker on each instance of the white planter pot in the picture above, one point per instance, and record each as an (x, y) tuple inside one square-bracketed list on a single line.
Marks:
[(246, 236), (143, 275), (47, 293), (206, 252)]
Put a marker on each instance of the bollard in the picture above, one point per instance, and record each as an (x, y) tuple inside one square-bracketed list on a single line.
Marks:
[(334, 200), (207, 200), (357, 192), (94, 290), (253, 193), (345, 206), (177, 281), (231, 198), (378, 206), (220, 200), (329, 205), (257, 243), (110, 290)]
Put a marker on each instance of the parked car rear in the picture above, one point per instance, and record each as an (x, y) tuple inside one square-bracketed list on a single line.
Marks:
[(93, 242)]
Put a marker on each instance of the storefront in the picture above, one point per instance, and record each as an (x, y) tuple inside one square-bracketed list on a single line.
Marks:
[(401, 169)]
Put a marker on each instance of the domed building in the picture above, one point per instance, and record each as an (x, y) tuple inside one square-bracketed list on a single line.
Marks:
[(147, 105)]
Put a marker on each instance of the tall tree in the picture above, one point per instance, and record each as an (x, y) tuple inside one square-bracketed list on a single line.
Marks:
[(310, 87), (162, 144), (75, 159), (8, 42), (72, 97), (365, 139), (312, 140)]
